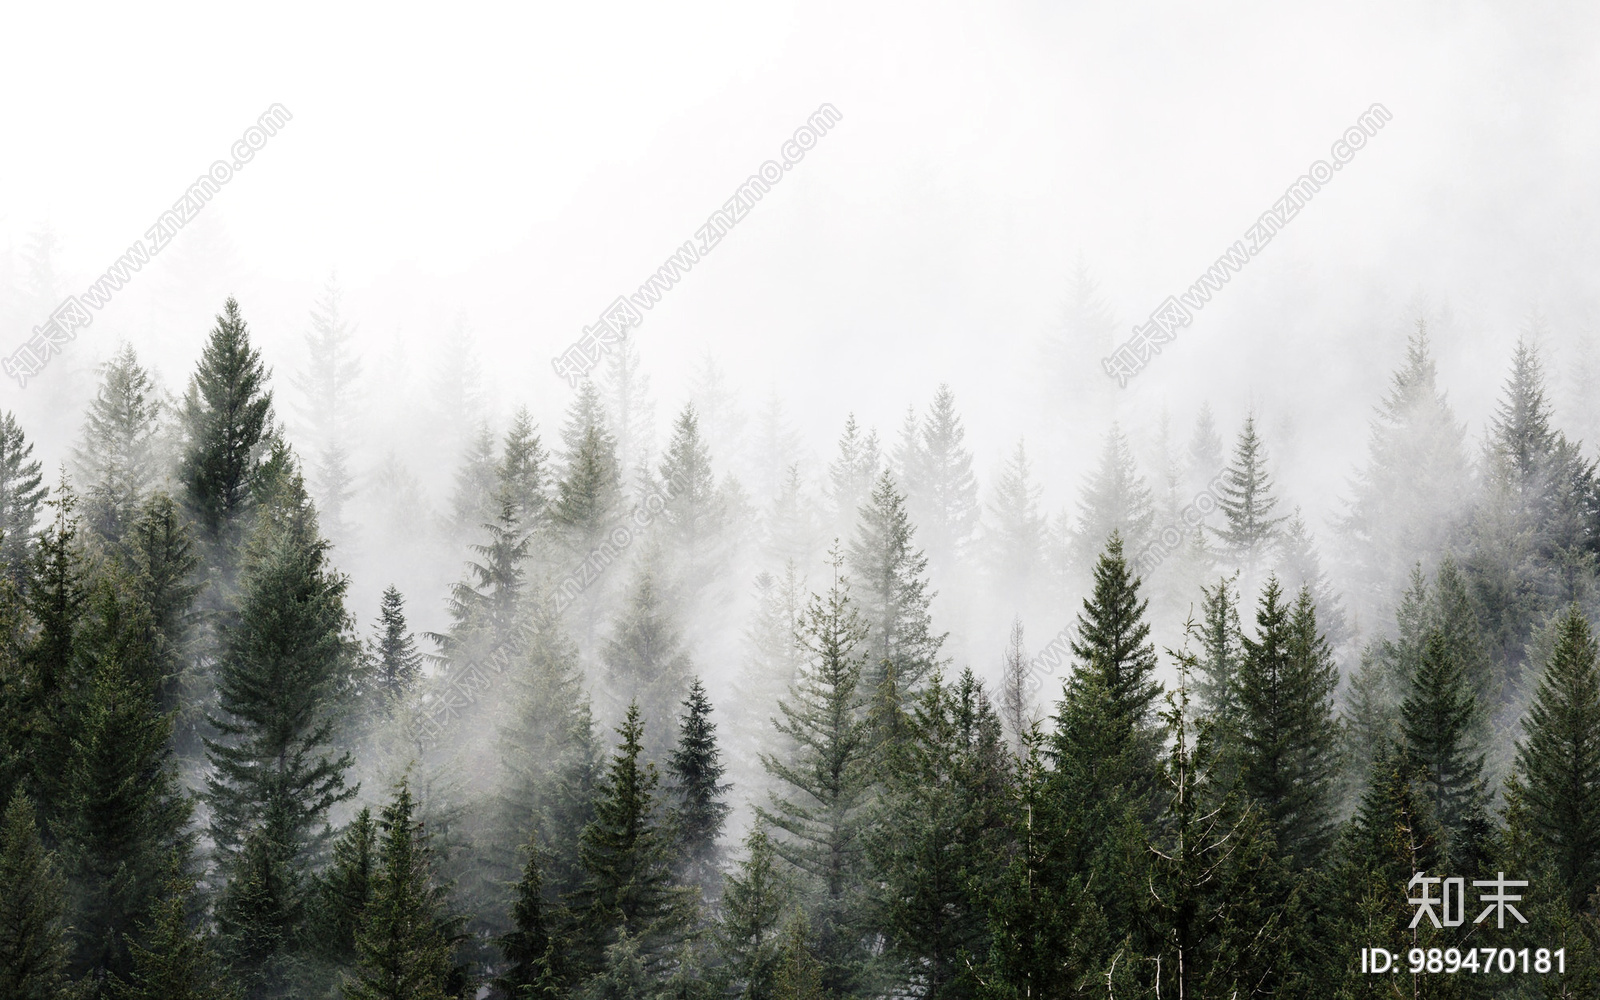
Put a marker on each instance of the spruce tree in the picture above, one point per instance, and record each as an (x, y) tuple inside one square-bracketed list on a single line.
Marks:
[(757, 898), (941, 489), (1221, 650), (22, 491), (1249, 530), (117, 462), (626, 857), (486, 610), (56, 598), (159, 562), (694, 771), (475, 499), (644, 657), (1439, 720), (1558, 758), (33, 952), (1014, 543), (1115, 500), (587, 507), (851, 476), (622, 401), (404, 941), (397, 663), (1016, 695), (327, 389), (532, 958), (174, 960), (1288, 736), (524, 471), (1204, 460), (692, 515), (227, 415), (890, 575), (345, 889), (283, 668), (824, 784)]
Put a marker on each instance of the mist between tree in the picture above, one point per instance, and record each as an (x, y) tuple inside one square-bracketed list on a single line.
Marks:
[(702, 717)]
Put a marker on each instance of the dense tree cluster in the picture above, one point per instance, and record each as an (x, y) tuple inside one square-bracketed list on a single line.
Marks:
[(215, 783)]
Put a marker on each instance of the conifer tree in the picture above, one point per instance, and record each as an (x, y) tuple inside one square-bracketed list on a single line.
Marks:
[(486, 610), (1014, 543), (851, 476), (33, 952), (175, 961), (227, 416), (890, 575), (942, 491), (588, 497), (1288, 737), (282, 671), (940, 831), (1410, 496), (533, 960), (824, 781), (695, 770), (644, 657), (404, 940), (22, 491), (695, 513), (622, 402), (1249, 530), (159, 562), (626, 857), (56, 596), (327, 388), (345, 889), (1558, 758), (524, 471), (757, 898), (1016, 696), (1204, 459), (792, 527), (1114, 500), (1221, 650), (397, 663), (1300, 566), (476, 498), (118, 463), (1438, 722)]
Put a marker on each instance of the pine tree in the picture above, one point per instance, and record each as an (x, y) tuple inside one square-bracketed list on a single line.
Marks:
[(1114, 500), (486, 611), (524, 471), (627, 409), (1410, 497), (1301, 566), (345, 889), (695, 770), (397, 663), (941, 489), (588, 497), (644, 657), (123, 811), (626, 858), (227, 416), (283, 668), (1014, 542), (1558, 759), (757, 897), (56, 597), (117, 463), (891, 577), (1016, 708), (327, 388), (1221, 644), (22, 491), (851, 476), (175, 962), (1438, 722), (1205, 451), (33, 952), (940, 832), (404, 941), (476, 498), (532, 958), (1288, 736), (824, 780), (800, 976), (792, 527), (159, 561), (1247, 502), (694, 514)]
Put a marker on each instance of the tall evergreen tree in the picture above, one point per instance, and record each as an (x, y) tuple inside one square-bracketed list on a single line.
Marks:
[(1014, 542), (1204, 459), (404, 941), (118, 461), (1439, 720), (397, 664), (1016, 695), (1249, 530), (33, 952), (56, 597), (476, 498), (175, 961), (824, 781), (345, 889), (1558, 759), (1221, 651), (1115, 499), (524, 471), (695, 770), (327, 389), (623, 404), (891, 577), (1288, 733), (283, 669), (644, 656), (533, 962), (694, 513), (22, 491), (626, 857), (159, 562), (758, 898), (486, 610), (227, 416), (851, 476), (941, 490)]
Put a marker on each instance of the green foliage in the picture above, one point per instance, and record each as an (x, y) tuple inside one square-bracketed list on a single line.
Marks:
[(758, 897), (532, 959), (644, 656), (176, 961), (118, 462), (890, 575), (1247, 502), (22, 491), (695, 770), (33, 953)]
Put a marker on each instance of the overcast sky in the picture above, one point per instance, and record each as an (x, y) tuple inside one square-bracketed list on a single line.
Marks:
[(519, 166)]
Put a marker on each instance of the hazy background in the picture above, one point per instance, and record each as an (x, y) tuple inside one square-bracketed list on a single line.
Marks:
[(484, 181)]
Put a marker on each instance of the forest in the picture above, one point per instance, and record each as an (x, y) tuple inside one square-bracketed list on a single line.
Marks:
[(686, 733)]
